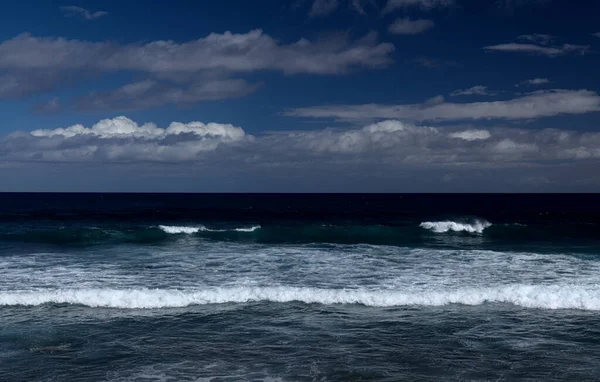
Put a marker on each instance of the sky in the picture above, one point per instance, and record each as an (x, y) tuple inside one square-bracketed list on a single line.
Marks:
[(300, 96)]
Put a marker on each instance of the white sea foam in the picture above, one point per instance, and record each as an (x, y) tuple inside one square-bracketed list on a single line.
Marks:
[(179, 229), (529, 296), (444, 226), (248, 229), (191, 230)]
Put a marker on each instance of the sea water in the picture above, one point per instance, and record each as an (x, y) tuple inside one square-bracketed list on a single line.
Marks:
[(120, 287)]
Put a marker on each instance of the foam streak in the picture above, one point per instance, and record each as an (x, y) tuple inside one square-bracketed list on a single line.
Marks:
[(445, 226), (529, 296)]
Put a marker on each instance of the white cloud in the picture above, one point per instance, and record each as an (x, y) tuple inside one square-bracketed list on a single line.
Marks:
[(406, 26), (389, 142), (229, 52), (185, 72), (596, 34), (74, 11), (323, 7), (123, 127), (534, 82), (423, 4), (472, 135), (475, 90), (541, 50), (121, 139), (540, 104)]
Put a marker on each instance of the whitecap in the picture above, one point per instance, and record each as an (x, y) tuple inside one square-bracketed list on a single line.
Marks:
[(477, 226)]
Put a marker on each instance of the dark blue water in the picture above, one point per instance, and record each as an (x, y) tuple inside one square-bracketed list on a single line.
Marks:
[(120, 287)]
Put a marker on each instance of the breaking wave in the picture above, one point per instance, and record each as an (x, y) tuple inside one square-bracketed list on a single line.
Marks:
[(528, 296), (178, 229), (192, 230), (444, 226)]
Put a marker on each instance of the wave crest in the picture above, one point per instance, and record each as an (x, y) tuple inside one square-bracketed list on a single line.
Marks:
[(529, 296), (180, 229), (192, 230), (444, 226)]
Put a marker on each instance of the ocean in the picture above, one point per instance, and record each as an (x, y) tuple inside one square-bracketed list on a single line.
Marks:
[(285, 287)]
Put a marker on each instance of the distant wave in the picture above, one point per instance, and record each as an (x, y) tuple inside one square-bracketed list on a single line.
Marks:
[(444, 226), (180, 229), (408, 234), (192, 230), (528, 296)]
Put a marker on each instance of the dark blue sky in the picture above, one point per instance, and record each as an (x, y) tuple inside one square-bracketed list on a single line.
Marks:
[(308, 95)]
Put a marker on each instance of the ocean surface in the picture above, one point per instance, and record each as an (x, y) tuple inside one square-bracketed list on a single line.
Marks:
[(207, 287)]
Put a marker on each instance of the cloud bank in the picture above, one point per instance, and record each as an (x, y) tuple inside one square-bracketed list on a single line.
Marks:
[(390, 141), (536, 105)]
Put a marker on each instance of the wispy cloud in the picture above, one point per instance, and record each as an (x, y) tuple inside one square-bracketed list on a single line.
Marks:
[(433, 63), (537, 38), (49, 107), (152, 93), (475, 90), (541, 50), (512, 4), (323, 7), (361, 5), (596, 34), (534, 82), (406, 26), (75, 11), (540, 104), (423, 4)]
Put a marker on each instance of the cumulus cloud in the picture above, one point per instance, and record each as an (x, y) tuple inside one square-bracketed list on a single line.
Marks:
[(539, 44), (390, 142), (475, 90), (406, 26), (79, 12), (423, 4), (123, 127), (30, 65), (323, 7), (536, 105), (534, 82), (121, 139)]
